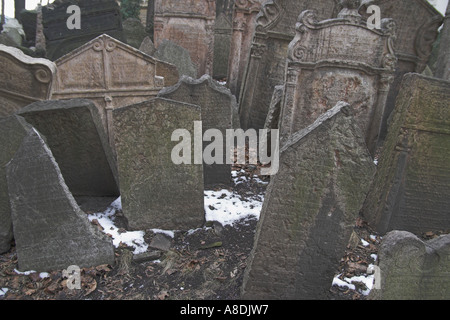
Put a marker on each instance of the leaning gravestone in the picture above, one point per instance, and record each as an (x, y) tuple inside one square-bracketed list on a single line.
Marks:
[(76, 136), (218, 107), (50, 230), (335, 60), (412, 269), (411, 188), (156, 192), (309, 210), (275, 29), (23, 79), (13, 130)]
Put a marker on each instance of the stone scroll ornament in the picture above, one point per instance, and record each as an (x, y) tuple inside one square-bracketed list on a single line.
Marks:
[(339, 59)]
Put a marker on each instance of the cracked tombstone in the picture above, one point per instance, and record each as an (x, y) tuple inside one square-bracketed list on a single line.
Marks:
[(50, 230), (157, 193), (310, 209)]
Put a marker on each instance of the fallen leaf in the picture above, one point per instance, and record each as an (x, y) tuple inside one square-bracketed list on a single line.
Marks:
[(162, 295)]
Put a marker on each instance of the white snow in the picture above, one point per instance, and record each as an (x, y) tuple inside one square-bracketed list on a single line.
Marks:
[(3, 291), (166, 232), (367, 280)]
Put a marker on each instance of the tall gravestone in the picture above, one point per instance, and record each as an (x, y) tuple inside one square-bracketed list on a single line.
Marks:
[(78, 141), (96, 17), (156, 192), (189, 24), (417, 23), (13, 130), (23, 79), (222, 42), (339, 59), (309, 210), (275, 29), (108, 72), (218, 107), (412, 269), (443, 59), (412, 186), (50, 230)]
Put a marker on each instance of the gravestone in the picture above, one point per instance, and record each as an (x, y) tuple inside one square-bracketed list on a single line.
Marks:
[(78, 141), (13, 130), (222, 41), (243, 27), (156, 192), (97, 17), (218, 107), (190, 24), (147, 46), (50, 230), (23, 79), (412, 269), (275, 29), (172, 53), (443, 59), (417, 23), (108, 72), (134, 32), (412, 186), (309, 210), (335, 60)]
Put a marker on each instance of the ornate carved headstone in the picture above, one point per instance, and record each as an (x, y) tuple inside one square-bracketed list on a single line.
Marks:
[(338, 60), (156, 192), (108, 72), (13, 130), (275, 29), (50, 230), (411, 190), (97, 17), (77, 139), (189, 24), (218, 107), (23, 79), (309, 210), (412, 269)]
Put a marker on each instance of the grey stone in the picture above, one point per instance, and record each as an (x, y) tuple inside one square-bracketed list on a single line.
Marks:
[(219, 108), (147, 46), (412, 186), (443, 60), (76, 136), (50, 230), (171, 52), (309, 210), (134, 32), (412, 269), (12, 131), (161, 241), (222, 42), (157, 193)]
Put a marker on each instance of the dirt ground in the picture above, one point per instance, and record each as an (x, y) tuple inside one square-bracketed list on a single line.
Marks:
[(205, 264)]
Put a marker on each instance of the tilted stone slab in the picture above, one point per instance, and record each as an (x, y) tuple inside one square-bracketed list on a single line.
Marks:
[(219, 109), (23, 79), (13, 130), (411, 190), (309, 210), (50, 230), (76, 136), (412, 269), (157, 193)]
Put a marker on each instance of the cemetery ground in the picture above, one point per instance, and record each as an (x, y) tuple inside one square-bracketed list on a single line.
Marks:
[(202, 264)]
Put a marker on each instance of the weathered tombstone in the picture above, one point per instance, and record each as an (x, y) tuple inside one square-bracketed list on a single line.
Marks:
[(172, 53), (134, 32), (417, 23), (147, 46), (275, 29), (78, 141), (309, 210), (339, 59), (189, 24), (156, 192), (412, 269), (443, 59), (222, 41), (218, 107), (50, 230), (13, 130), (97, 17), (23, 79), (411, 188), (244, 23), (108, 72)]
